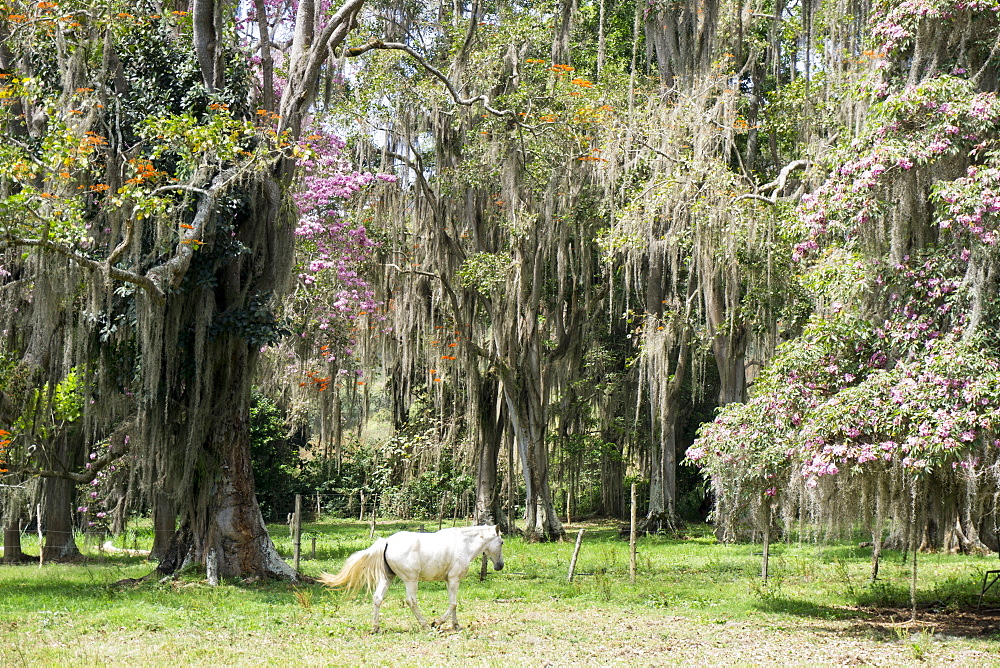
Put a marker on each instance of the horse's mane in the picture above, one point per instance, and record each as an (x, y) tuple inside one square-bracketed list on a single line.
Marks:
[(473, 529)]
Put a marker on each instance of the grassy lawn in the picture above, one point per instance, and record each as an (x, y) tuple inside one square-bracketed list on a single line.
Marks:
[(693, 601)]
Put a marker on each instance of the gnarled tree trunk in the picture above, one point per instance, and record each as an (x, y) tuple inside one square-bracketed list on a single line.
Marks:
[(492, 418), (212, 481), (12, 553), (60, 543), (529, 421), (164, 524)]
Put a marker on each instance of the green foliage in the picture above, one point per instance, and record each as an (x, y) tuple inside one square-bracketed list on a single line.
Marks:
[(486, 272), (256, 323), (274, 456), (67, 400), (50, 410)]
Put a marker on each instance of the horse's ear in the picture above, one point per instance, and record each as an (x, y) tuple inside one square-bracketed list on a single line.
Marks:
[(497, 527)]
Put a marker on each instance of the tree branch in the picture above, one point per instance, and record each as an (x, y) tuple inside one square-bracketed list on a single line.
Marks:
[(111, 272), (308, 54), (172, 271), (397, 46), (453, 298), (118, 447), (775, 186)]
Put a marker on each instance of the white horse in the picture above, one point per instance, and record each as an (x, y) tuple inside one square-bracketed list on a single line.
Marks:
[(443, 555)]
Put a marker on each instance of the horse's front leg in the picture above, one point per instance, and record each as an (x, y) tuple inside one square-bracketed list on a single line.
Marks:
[(377, 597), (452, 611), (411, 600)]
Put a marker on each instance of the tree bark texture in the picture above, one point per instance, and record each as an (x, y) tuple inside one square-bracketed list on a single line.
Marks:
[(492, 417), (164, 524), (12, 553), (214, 491), (60, 543), (528, 418)]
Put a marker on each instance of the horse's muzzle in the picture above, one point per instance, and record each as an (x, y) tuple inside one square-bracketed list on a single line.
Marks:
[(498, 566)]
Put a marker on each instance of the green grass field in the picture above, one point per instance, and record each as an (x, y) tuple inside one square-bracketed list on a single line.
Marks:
[(693, 601)]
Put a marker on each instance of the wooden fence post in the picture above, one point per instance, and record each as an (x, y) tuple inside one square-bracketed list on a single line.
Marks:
[(767, 538), (212, 568), (576, 552), (632, 540), (38, 517), (297, 531)]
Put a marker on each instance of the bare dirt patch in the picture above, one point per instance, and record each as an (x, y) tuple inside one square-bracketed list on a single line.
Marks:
[(961, 623)]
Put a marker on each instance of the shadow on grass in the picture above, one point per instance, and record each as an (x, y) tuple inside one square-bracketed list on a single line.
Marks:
[(894, 624), (802, 608)]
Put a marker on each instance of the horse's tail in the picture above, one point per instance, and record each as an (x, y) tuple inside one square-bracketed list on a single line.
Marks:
[(362, 569)]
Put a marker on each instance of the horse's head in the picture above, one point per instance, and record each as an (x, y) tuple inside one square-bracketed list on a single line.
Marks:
[(494, 547)]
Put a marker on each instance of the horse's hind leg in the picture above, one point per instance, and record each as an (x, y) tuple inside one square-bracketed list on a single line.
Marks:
[(411, 600), (377, 597), (452, 611)]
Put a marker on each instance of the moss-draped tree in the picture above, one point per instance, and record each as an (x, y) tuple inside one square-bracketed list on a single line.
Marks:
[(148, 182)]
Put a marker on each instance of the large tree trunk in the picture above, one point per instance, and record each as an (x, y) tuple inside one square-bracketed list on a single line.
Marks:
[(60, 543), (491, 420), (729, 337), (729, 349), (662, 514), (220, 520), (164, 524), (217, 324), (526, 388), (528, 419), (59, 495), (12, 553)]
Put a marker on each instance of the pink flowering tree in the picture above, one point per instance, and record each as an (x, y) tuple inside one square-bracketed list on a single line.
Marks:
[(333, 304), (884, 410)]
